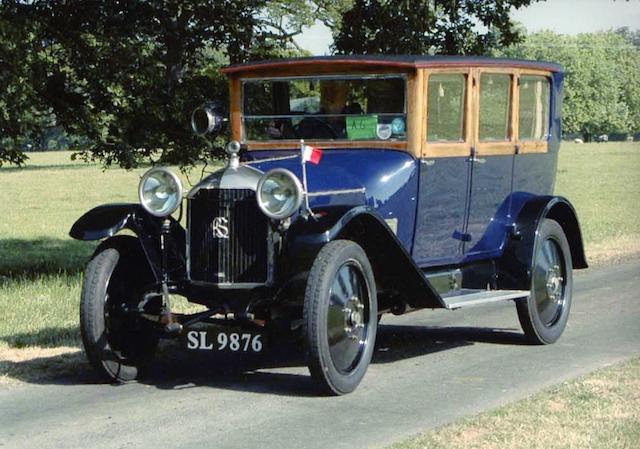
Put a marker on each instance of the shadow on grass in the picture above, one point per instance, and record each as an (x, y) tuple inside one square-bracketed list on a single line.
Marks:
[(30, 258), (51, 337), (281, 371)]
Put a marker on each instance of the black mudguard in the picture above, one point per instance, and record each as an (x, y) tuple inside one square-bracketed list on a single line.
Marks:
[(514, 266), (393, 266), (109, 219)]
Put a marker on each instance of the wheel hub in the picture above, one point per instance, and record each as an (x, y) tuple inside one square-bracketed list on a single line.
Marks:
[(353, 316), (554, 282)]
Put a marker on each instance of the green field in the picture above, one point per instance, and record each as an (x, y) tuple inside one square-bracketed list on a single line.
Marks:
[(603, 183), (40, 265)]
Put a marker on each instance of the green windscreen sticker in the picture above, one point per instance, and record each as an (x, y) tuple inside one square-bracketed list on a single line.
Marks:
[(361, 127)]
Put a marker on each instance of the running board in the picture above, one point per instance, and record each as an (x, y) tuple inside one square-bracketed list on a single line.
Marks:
[(466, 298)]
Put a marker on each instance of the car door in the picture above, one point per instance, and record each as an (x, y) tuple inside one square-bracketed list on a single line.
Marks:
[(491, 162), (443, 196)]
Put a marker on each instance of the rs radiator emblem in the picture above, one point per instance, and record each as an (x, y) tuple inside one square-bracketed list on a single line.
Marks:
[(220, 227)]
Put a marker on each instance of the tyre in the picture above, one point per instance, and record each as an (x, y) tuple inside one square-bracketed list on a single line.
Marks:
[(340, 317), (118, 345), (543, 315)]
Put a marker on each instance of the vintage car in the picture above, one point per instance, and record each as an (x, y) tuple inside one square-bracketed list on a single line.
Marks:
[(355, 186)]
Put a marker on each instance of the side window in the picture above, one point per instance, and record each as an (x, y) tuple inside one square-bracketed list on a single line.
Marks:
[(533, 123), (446, 107), (495, 107)]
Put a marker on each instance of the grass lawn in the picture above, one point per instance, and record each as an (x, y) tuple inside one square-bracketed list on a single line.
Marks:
[(40, 265), (598, 411), (603, 182)]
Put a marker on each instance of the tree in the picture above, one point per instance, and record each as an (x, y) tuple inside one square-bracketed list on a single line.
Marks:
[(124, 76), (602, 79), (427, 26)]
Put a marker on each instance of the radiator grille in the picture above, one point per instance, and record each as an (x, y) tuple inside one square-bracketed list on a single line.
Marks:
[(242, 257)]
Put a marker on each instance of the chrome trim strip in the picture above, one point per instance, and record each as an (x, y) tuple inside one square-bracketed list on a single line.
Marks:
[(271, 159), (482, 297), (337, 192), (274, 116)]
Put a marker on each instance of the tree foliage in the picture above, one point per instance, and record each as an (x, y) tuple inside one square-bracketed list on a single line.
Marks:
[(447, 27), (125, 76), (602, 78)]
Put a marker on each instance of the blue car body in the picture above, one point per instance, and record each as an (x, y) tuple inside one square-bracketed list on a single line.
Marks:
[(355, 186)]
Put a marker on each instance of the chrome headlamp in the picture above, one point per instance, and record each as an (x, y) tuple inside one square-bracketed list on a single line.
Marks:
[(160, 192), (279, 193)]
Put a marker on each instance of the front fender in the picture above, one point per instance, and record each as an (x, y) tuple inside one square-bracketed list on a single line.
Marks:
[(393, 267), (109, 219)]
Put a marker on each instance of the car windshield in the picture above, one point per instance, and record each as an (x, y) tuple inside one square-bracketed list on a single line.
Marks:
[(371, 107)]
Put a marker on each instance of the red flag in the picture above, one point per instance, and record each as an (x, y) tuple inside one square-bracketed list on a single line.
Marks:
[(311, 154)]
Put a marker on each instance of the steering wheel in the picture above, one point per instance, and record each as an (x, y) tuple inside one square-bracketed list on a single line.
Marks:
[(314, 128)]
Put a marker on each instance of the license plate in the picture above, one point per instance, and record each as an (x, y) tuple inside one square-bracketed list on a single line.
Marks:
[(212, 340)]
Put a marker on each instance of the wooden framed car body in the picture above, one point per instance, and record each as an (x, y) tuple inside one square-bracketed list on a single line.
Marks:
[(355, 186)]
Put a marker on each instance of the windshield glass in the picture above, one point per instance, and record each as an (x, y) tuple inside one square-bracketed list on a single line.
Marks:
[(334, 108)]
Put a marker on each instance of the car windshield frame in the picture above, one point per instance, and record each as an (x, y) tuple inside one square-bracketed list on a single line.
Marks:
[(387, 126)]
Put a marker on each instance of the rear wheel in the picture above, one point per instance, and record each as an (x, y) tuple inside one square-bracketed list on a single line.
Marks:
[(118, 344), (340, 316), (544, 314)]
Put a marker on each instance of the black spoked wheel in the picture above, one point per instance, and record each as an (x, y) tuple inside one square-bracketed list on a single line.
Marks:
[(340, 316), (544, 314), (118, 343)]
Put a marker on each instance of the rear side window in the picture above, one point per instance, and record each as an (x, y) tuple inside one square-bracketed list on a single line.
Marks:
[(495, 107), (445, 110), (534, 108)]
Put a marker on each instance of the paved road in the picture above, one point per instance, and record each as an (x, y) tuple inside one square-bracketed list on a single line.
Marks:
[(429, 369)]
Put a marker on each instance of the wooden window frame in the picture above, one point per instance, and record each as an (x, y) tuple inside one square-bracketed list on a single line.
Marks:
[(495, 147), (472, 116), (532, 146), (448, 149), (417, 104), (413, 109)]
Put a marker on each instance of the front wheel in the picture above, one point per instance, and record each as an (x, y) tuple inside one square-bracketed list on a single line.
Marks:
[(544, 314), (118, 344), (340, 316)]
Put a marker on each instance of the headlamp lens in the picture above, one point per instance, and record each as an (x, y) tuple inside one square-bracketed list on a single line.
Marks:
[(160, 192), (279, 193)]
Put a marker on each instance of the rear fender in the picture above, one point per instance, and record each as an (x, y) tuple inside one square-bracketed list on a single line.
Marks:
[(109, 219), (393, 267), (515, 264)]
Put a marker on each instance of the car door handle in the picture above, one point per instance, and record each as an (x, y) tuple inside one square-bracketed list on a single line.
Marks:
[(476, 159)]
